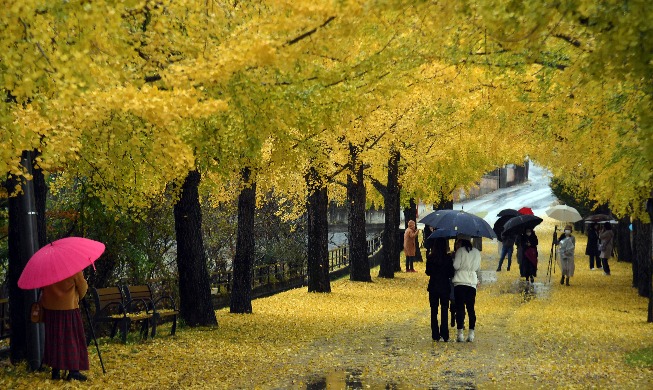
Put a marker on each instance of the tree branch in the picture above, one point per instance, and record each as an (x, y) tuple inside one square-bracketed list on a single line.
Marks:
[(309, 33)]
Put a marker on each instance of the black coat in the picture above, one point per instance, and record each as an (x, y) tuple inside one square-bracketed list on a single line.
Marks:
[(440, 271), (592, 248)]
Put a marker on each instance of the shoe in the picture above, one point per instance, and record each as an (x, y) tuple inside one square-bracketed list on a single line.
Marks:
[(508, 269), (567, 281), (461, 337), (606, 274), (592, 269), (498, 269), (76, 375), (56, 374), (562, 281), (470, 337)]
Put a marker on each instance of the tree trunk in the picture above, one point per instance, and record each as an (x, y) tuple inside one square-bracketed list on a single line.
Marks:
[(391, 223), (649, 209), (318, 233), (40, 196), (195, 304), (241, 294), (359, 265), (17, 299), (643, 244), (633, 248), (398, 236), (624, 252)]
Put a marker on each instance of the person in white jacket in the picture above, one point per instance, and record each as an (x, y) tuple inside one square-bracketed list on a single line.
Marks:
[(467, 262)]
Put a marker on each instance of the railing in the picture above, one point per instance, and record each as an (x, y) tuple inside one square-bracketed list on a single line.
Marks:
[(262, 275)]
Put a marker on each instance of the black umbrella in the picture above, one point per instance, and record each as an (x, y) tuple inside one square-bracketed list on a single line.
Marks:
[(459, 221), (442, 233), (499, 224), (598, 218), (510, 212), (521, 222)]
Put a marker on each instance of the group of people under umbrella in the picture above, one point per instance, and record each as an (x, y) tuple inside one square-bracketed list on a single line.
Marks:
[(454, 274)]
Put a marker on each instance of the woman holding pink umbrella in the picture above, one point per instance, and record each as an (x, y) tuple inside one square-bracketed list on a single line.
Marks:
[(57, 269), (65, 341)]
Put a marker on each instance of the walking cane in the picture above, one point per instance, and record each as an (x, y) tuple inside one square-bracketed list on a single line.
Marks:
[(90, 325)]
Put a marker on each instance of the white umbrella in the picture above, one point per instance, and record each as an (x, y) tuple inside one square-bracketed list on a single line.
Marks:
[(563, 213)]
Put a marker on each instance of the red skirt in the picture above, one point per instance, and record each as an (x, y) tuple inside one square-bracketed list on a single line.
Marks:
[(65, 341)]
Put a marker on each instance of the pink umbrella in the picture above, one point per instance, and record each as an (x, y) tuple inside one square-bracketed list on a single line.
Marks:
[(59, 260)]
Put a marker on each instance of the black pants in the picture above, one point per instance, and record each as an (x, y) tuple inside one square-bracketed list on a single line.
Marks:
[(606, 266), (595, 258), (465, 299), (439, 300)]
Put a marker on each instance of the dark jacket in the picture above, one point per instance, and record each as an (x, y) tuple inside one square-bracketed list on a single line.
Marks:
[(440, 269), (509, 240), (592, 248)]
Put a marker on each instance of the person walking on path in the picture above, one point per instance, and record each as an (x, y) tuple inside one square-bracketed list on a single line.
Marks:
[(506, 250), (606, 236), (592, 248), (566, 247), (65, 341), (467, 263), (528, 265), (439, 267), (409, 245)]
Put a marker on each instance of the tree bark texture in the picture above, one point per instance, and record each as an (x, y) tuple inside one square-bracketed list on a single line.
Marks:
[(642, 241), (195, 304), (399, 236), (391, 223), (40, 196), (318, 233), (624, 252), (17, 299), (241, 293), (359, 264)]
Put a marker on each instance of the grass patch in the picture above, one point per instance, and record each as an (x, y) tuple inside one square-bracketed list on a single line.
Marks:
[(641, 358)]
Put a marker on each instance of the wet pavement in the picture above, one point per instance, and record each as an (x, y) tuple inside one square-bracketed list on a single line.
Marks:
[(397, 353)]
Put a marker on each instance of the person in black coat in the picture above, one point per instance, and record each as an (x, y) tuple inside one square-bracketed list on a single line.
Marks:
[(439, 266), (592, 248), (528, 266)]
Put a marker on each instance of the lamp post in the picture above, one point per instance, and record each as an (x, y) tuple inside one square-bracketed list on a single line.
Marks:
[(29, 246)]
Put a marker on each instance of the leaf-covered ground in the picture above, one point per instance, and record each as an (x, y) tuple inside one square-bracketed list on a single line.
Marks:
[(376, 335)]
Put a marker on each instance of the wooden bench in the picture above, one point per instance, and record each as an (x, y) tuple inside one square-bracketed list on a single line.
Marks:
[(163, 306), (4, 319), (112, 306)]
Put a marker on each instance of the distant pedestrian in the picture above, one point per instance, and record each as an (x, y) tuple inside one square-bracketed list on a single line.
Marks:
[(528, 266), (592, 248), (409, 245), (467, 263), (606, 236), (566, 247), (507, 247), (439, 266)]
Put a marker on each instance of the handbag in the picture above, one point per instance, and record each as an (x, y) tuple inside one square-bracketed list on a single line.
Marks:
[(36, 312)]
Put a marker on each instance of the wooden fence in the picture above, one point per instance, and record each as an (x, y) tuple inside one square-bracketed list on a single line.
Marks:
[(283, 272)]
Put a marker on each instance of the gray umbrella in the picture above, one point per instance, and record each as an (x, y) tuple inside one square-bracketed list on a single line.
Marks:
[(460, 222)]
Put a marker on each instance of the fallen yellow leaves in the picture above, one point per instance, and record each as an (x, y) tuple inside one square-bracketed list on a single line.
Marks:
[(378, 334)]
